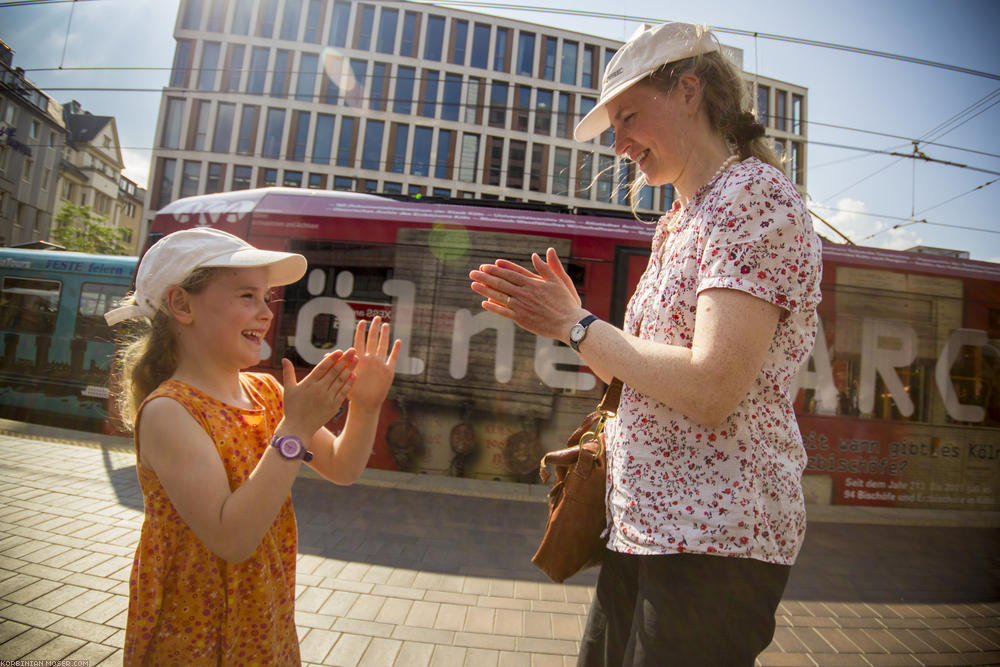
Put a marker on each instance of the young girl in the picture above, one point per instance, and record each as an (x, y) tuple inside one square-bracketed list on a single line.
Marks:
[(213, 580)]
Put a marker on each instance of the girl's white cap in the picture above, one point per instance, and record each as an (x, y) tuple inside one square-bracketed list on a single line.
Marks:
[(175, 256), (648, 49)]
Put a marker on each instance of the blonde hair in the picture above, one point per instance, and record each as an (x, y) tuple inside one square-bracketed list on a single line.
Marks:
[(147, 354), (727, 105)]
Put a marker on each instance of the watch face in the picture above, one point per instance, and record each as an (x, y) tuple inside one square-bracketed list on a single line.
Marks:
[(290, 448), (576, 333)]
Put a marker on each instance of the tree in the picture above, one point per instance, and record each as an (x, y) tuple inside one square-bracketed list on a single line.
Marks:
[(79, 228)]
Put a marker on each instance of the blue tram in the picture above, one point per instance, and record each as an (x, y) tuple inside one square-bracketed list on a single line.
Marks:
[(55, 348)]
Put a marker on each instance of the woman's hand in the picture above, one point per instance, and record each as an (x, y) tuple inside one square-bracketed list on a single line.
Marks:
[(315, 400), (374, 372), (545, 303)]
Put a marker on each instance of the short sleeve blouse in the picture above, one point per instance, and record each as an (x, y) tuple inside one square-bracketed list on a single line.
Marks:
[(675, 485)]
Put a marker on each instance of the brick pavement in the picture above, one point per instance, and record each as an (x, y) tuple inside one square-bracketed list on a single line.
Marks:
[(391, 573)]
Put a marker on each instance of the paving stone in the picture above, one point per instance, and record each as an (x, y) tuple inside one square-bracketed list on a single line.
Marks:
[(57, 649), (316, 644), (380, 652), (414, 654), (347, 651), (24, 643), (91, 632)]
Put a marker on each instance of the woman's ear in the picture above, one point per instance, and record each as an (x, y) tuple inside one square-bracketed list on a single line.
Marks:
[(689, 86), (178, 303)]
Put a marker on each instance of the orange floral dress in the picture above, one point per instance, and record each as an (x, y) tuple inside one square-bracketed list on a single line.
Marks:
[(188, 606)]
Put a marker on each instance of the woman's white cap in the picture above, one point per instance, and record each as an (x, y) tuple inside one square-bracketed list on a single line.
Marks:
[(175, 256), (647, 50)]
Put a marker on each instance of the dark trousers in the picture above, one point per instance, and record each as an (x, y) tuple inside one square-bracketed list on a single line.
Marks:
[(681, 610)]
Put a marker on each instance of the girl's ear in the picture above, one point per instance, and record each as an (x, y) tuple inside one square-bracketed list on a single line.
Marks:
[(178, 304)]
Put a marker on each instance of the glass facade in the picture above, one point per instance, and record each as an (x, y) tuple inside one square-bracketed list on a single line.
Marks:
[(483, 118)]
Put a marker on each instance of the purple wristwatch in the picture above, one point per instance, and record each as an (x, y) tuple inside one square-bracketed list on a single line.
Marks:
[(291, 447)]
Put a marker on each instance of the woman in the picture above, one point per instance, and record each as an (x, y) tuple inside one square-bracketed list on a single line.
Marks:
[(705, 458)]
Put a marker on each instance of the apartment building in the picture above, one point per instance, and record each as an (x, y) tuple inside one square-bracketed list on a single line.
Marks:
[(401, 98)]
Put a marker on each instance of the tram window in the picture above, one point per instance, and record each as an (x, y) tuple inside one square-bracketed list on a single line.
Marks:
[(95, 300), (29, 305)]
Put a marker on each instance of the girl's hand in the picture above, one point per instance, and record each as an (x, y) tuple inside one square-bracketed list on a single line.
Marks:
[(315, 400), (374, 371), (545, 303)]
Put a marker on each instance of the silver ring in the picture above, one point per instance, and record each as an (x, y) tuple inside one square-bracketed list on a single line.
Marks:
[(507, 302)]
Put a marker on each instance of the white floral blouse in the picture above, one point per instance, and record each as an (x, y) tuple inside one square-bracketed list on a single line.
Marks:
[(674, 485)]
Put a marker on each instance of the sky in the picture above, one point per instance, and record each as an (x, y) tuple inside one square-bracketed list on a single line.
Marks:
[(870, 198)]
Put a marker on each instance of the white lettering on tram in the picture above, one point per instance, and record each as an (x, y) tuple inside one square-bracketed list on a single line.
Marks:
[(886, 346)]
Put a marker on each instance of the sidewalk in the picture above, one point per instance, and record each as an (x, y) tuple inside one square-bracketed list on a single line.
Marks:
[(420, 570)]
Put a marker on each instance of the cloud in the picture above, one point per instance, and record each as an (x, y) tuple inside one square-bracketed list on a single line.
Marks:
[(851, 218), (136, 165)]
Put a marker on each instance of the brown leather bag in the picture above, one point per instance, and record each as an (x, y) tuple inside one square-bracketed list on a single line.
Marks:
[(574, 535)]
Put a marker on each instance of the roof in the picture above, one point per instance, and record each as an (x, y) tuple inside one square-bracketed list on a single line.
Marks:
[(84, 127)]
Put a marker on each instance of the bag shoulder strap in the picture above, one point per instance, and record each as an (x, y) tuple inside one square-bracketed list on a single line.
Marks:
[(612, 397)]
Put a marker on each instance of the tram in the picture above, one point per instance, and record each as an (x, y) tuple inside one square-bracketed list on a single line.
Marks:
[(55, 348)]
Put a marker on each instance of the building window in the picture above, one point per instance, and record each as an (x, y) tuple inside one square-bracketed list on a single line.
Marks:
[(547, 66), (348, 140), (241, 177), (215, 177), (622, 179), (241, 17), (780, 109), (606, 165), (182, 64), (172, 123), (338, 24), (560, 174), (317, 182), (273, 129), (474, 101), (522, 107), (222, 137), (323, 140), (589, 65), (392, 188), (267, 13), (360, 71), (371, 154), (442, 165), (567, 69), (190, 177), (368, 185), (452, 97), (387, 31), (498, 104), (434, 40), (258, 70), (343, 183), (797, 166), (429, 93), (314, 20), (515, 164), (282, 73), (494, 160), (763, 112), (543, 112), (198, 125), (459, 40), (586, 105), (329, 92), (380, 86), (411, 35), (539, 167), (468, 158), (29, 165), (364, 27), (292, 179), (308, 69), (421, 161), (501, 51), (216, 15), (300, 131), (564, 119), (36, 128), (405, 77), (290, 20), (797, 114), (584, 173), (480, 45), (268, 178), (193, 9), (399, 134), (246, 143), (525, 53), (234, 68)]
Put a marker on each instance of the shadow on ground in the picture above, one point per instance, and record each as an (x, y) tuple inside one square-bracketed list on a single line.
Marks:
[(496, 538)]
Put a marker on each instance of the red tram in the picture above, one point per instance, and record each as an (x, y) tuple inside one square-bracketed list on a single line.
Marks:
[(900, 405)]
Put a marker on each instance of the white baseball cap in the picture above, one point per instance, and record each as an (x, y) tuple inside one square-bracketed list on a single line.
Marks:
[(175, 256), (649, 48)]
